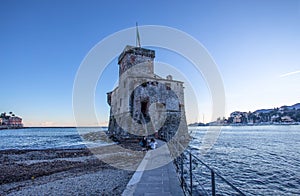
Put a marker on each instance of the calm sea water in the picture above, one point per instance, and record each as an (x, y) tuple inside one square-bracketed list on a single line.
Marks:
[(260, 160), (45, 138)]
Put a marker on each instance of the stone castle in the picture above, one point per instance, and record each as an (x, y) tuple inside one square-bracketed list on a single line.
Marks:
[(145, 104)]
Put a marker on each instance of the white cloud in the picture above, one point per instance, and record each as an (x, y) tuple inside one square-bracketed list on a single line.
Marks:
[(290, 73)]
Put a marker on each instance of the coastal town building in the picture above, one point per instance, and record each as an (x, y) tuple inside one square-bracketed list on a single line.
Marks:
[(286, 119), (275, 118), (145, 104), (10, 121), (238, 117), (15, 121), (277, 115)]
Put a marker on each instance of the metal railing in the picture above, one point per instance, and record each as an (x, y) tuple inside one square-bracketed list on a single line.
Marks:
[(188, 169), (191, 178)]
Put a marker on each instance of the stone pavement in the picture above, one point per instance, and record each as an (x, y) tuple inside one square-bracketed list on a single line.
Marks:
[(155, 175)]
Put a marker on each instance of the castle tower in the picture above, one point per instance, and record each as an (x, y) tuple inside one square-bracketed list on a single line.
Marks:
[(144, 103), (132, 56)]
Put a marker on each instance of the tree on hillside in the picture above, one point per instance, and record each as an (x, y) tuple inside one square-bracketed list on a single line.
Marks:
[(230, 120), (252, 117)]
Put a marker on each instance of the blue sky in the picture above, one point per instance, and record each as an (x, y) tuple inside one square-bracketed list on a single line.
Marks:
[(42, 43)]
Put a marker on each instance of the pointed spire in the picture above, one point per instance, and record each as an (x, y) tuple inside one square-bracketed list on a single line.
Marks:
[(138, 41)]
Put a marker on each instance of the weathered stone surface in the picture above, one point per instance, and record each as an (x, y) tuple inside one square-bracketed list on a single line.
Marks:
[(144, 104), (134, 55)]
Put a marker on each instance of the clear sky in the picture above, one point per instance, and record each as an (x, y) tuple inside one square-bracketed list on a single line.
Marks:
[(255, 44)]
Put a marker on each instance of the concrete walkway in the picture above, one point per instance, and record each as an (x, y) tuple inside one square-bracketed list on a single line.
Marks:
[(155, 175)]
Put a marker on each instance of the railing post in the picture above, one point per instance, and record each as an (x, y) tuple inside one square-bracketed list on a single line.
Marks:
[(213, 183), (191, 175), (181, 167)]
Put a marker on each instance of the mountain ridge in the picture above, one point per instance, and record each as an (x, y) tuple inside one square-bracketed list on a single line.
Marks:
[(296, 106)]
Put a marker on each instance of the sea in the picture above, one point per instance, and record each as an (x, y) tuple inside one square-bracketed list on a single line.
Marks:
[(259, 160), (47, 138)]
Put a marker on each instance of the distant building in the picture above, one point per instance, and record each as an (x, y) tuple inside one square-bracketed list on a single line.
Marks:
[(239, 117), (10, 121), (286, 119), (15, 121), (275, 118)]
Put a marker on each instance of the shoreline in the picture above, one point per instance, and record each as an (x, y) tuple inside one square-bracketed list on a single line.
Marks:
[(64, 127), (51, 171), (191, 125), (247, 125)]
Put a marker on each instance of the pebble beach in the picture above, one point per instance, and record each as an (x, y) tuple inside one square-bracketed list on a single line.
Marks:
[(67, 171)]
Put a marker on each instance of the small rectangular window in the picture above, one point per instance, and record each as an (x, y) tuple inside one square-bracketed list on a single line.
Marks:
[(168, 86)]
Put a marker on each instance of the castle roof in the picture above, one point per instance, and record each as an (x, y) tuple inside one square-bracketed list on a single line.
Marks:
[(137, 51)]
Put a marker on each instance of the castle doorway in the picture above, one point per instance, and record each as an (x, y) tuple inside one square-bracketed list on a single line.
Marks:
[(144, 107)]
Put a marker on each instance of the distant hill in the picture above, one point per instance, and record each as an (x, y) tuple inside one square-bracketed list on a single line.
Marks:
[(263, 111), (296, 106), (277, 115)]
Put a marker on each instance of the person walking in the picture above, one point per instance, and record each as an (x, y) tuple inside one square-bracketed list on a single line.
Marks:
[(152, 144)]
